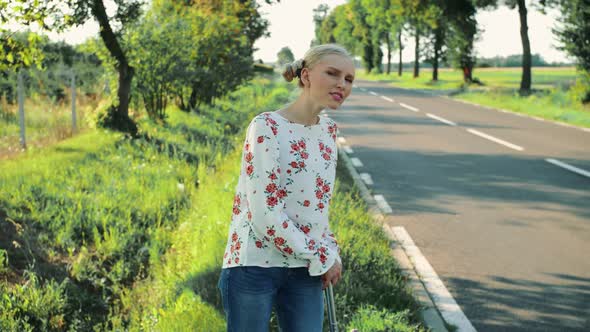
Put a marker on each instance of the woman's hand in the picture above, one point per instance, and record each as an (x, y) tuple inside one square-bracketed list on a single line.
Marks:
[(332, 275)]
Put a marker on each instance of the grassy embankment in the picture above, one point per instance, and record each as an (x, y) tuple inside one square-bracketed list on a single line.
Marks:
[(549, 100), (104, 232)]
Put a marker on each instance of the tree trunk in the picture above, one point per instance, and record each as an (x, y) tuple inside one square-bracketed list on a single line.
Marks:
[(525, 82), (438, 44), (401, 47), (388, 39), (417, 53), (126, 72)]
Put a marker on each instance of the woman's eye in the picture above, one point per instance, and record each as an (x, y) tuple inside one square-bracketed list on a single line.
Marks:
[(348, 79)]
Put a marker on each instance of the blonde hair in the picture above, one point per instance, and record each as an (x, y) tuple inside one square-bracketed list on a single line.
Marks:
[(310, 59)]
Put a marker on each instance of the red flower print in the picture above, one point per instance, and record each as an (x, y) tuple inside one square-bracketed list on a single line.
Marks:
[(294, 147), (301, 164), (259, 244), (271, 201), (321, 146), (279, 241), (288, 171), (237, 199), (326, 188), (247, 146), (234, 237), (285, 224), (281, 193), (328, 149), (274, 130), (306, 203), (305, 229), (294, 164), (260, 139), (249, 169), (320, 205), (236, 210), (279, 170), (302, 144), (319, 182), (322, 258), (238, 246), (272, 176), (288, 250), (312, 242), (319, 194), (270, 232), (237, 260), (322, 250), (271, 188), (326, 156), (304, 155), (249, 215), (232, 249), (249, 156)]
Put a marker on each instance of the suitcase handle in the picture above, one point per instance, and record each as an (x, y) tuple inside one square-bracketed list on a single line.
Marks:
[(331, 308)]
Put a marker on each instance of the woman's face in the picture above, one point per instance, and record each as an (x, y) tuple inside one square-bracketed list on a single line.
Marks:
[(330, 80)]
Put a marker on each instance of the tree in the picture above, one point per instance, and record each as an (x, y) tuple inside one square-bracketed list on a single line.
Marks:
[(319, 15), (285, 56), (574, 35), (55, 15)]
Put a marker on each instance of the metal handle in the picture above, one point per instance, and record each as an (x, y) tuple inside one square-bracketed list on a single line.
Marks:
[(331, 308)]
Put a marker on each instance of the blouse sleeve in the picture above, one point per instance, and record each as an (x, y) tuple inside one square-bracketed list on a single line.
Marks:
[(264, 194), (332, 243)]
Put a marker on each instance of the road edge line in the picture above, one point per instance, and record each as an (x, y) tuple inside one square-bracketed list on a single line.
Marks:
[(429, 314)]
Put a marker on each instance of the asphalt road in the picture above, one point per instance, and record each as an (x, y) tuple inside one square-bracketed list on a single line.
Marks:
[(507, 231)]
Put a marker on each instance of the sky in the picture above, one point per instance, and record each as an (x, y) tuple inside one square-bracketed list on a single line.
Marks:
[(291, 24)]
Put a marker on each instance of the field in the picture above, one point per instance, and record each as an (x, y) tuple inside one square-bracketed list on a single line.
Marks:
[(553, 97)]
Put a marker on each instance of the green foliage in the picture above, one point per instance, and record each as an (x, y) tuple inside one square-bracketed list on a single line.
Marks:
[(285, 56), (210, 57), (372, 319), (3, 261), (104, 205), (574, 35), (34, 306)]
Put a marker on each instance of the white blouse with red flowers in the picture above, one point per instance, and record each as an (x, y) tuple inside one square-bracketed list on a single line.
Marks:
[(280, 210)]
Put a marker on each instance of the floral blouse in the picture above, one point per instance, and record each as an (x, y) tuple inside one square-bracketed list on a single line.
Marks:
[(280, 209)]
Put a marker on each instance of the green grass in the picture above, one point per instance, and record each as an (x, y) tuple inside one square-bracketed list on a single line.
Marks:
[(109, 233), (186, 279), (554, 97), (46, 122)]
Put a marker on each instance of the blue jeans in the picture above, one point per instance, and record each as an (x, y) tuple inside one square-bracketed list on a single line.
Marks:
[(249, 293)]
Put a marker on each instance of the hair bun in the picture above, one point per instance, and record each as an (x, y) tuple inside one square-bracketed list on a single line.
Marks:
[(293, 70)]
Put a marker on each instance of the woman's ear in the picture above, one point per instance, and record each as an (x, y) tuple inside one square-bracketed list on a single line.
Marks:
[(305, 77)]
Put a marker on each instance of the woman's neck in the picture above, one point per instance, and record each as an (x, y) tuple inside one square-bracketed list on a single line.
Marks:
[(302, 111)]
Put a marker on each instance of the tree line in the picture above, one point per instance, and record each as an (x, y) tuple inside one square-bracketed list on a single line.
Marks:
[(444, 31), (187, 52)]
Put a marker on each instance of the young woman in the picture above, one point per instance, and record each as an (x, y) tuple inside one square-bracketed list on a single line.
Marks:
[(280, 250)]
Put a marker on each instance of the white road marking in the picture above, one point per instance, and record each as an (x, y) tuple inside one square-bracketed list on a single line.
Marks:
[(342, 140), (409, 107), (388, 99), (373, 93), (356, 162), (568, 167), (441, 119), (497, 140), (348, 149), (366, 177), (382, 203), (441, 297)]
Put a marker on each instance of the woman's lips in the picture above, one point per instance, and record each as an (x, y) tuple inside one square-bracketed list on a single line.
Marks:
[(336, 97)]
